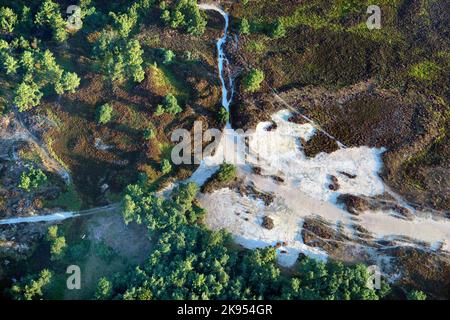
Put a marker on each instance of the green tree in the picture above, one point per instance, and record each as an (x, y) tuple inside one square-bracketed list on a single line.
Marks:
[(177, 19), (244, 27), (49, 17), (131, 208), (50, 71), (104, 113), (168, 56), (69, 82), (4, 45), (253, 80), (223, 116), (159, 110), (10, 64), (149, 133), (166, 167), (32, 179), (103, 290), (124, 22), (278, 30), (227, 172), (169, 105), (27, 95), (26, 18), (184, 14), (416, 295), (27, 61), (57, 243), (119, 58), (8, 19), (134, 61), (31, 287)]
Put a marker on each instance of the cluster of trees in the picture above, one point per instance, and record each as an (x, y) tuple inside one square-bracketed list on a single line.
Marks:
[(31, 287), (140, 206), (120, 58), (169, 105), (32, 179), (119, 54), (183, 14), (57, 243), (49, 19), (192, 262), (253, 80), (35, 70)]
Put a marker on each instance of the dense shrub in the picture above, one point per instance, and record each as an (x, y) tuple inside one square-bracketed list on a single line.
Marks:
[(32, 179), (253, 80), (104, 113)]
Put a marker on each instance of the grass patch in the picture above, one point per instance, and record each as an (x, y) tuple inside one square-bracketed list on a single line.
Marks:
[(30, 155), (49, 143), (165, 82), (129, 117), (425, 71), (256, 46), (69, 200)]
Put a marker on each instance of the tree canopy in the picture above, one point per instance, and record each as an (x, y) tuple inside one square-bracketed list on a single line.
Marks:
[(192, 262), (169, 105), (253, 80), (31, 287), (104, 113), (32, 179), (8, 19), (184, 14)]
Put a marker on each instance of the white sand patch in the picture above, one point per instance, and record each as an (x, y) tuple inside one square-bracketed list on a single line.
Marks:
[(383, 225), (281, 154), (305, 189), (304, 192), (242, 216)]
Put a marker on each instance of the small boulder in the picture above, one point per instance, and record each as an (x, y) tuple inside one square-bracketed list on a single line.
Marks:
[(268, 223), (354, 204), (334, 185)]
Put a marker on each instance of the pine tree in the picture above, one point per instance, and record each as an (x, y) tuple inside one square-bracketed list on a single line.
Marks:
[(8, 19), (244, 27)]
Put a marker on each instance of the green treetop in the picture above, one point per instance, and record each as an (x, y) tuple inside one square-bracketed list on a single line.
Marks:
[(8, 19), (252, 82), (104, 113)]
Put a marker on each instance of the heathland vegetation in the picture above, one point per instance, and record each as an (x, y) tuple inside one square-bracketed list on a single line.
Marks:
[(107, 95)]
